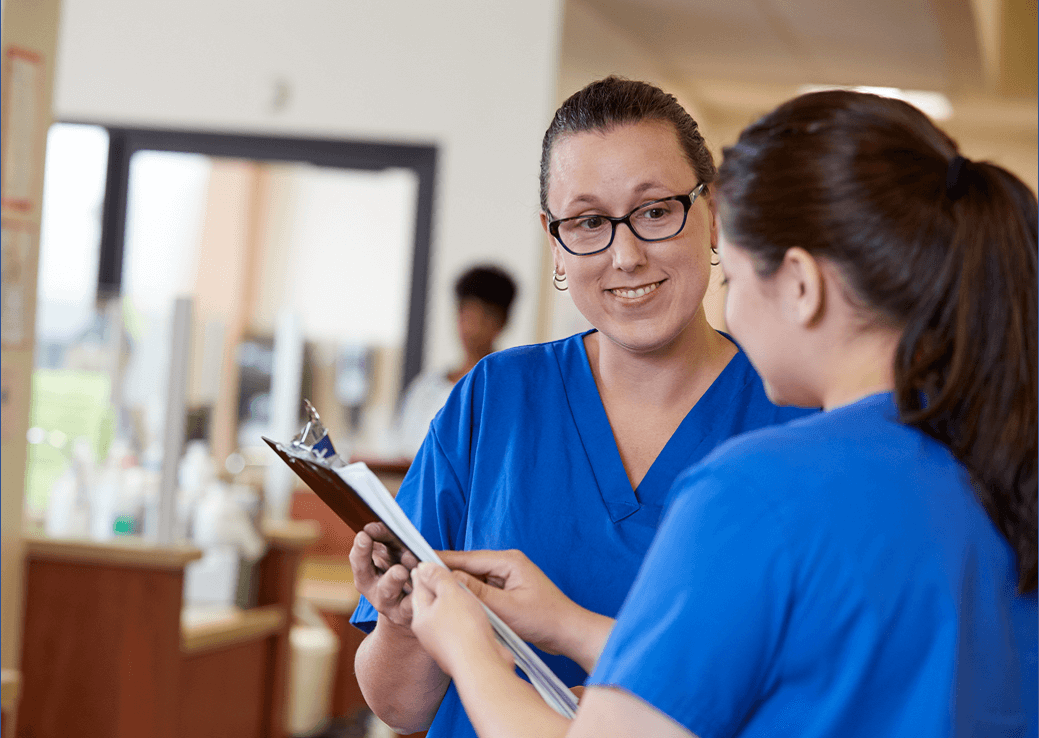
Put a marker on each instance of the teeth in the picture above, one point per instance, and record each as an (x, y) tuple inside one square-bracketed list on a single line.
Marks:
[(631, 294)]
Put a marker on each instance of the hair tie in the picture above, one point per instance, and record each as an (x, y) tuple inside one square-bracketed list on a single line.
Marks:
[(956, 178)]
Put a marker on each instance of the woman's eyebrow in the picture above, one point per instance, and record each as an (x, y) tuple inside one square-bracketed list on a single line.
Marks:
[(590, 199)]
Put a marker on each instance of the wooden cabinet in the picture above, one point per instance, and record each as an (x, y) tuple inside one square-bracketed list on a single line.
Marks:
[(105, 651), (10, 682)]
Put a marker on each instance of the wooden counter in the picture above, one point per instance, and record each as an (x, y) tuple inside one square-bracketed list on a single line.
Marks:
[(109, 651), (10, 686), (293, 535), (129, 551), (237, 626)]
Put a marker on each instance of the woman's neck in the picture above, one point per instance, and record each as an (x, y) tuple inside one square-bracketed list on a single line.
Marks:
[(861, 366), (671, 374), (646, 395)]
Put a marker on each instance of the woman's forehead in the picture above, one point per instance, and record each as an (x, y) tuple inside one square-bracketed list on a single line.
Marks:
[(618, 135), (632, 159)]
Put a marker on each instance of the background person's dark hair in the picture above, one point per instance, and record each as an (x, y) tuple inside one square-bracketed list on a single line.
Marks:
[(489, 284), (614, 101), (861, 181)]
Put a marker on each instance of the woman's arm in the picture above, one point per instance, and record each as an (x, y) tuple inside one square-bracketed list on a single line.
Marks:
[(454, 630), (521, 595), (399, 680)]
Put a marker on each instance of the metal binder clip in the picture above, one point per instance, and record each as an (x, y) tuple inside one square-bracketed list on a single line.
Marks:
[(314, 436)]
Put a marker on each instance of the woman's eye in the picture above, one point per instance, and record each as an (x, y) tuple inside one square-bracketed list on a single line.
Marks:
[(591, 223), (656, 211)]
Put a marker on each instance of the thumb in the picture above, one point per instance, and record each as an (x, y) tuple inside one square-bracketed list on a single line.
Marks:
[(432, 577), (421, 593), (470, 582), (486, 593)]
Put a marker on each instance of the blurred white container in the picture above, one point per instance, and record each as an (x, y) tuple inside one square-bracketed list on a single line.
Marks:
[(313, 651), (68, 510), (213, 579)]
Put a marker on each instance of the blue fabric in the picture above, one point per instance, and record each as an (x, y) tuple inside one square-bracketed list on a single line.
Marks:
[(835, 576), (523, 456)]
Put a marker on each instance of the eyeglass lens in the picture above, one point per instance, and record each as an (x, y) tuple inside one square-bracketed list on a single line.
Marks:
[(653, 222)]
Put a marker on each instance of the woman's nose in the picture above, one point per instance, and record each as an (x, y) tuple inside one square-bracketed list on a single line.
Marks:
[(628, 251)]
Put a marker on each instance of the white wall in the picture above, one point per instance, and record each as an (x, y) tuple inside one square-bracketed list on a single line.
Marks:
[(475, 78)]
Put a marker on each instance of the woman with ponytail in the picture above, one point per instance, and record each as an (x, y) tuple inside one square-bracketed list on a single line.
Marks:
[(867, 571)]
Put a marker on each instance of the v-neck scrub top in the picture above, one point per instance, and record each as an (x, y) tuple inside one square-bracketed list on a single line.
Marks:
[(522, 456), (835, 576)]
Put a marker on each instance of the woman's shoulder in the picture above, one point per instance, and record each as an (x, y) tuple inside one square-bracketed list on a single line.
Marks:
[(520, 361), (811, 435), (860, 449)]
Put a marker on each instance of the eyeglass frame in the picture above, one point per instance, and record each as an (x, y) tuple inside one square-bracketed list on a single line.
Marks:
[(686, 201)]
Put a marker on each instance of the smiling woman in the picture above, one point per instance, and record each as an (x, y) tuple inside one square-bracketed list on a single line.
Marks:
[(642, 293), (576, 442)]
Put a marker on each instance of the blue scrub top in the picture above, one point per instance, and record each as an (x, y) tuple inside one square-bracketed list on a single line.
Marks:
[(522, 456), (835, 576)]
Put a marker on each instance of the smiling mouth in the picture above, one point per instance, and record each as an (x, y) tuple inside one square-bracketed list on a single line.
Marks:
[(631, 294)]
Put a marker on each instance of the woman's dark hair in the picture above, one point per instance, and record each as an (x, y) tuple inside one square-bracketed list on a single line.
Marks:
[(943, 248), (489, 284), (614, 101)]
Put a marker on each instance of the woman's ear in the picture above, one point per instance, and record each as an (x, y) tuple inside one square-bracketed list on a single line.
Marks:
[(557, 257), (803, 286), (558, 265)]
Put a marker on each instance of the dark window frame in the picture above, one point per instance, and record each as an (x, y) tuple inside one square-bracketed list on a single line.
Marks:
[(124, 142)]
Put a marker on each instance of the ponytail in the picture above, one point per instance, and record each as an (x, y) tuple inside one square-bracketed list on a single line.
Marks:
[(942, 247), (966, 368)]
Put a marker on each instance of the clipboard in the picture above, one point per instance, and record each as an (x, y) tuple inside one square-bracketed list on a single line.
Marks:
[(333, 490)]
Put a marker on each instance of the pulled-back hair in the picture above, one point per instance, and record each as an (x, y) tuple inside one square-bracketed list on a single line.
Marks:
[(615, 101), (940, 247)]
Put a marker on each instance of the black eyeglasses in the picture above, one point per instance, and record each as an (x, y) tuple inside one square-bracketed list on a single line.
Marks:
[(659, 220)]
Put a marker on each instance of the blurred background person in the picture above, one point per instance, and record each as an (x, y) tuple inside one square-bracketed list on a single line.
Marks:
[(485, 294)]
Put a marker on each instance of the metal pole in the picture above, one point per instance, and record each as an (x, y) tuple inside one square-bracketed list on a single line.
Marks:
[(176, 411)]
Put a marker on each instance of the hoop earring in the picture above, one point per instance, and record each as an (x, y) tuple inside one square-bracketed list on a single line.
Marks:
[(714, 261), (559, 279)]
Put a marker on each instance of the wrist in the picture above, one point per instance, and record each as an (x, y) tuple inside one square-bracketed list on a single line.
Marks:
[(584, 637), (480, 665), (394, 630)]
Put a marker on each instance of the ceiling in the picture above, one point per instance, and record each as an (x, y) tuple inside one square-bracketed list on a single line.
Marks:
[(791, 41), (732, 60)]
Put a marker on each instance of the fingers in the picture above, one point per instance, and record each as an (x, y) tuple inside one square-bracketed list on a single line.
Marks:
[(468, 581), (383, 557), (365, 574), (421, 595), (431, 576), (490, 595), (494, 566), (390, 587), (379, 532)]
